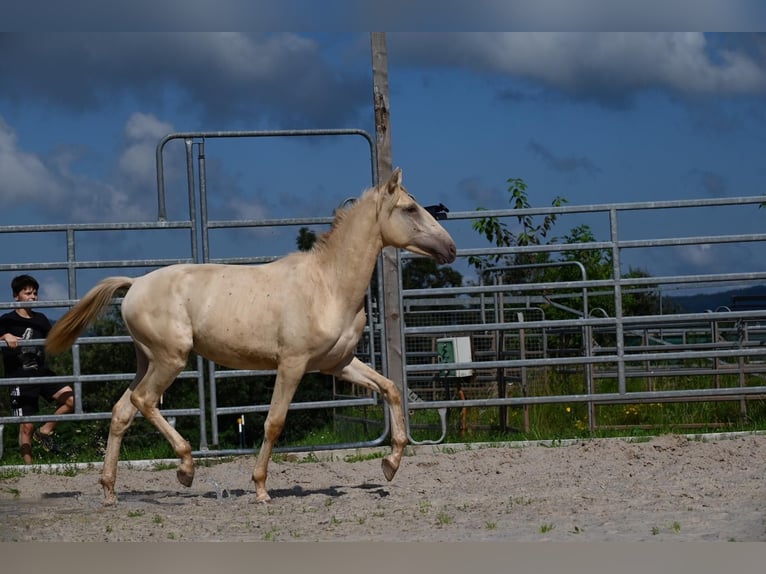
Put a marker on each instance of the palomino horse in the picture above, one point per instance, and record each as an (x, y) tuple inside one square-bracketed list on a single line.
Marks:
[(303, 312)]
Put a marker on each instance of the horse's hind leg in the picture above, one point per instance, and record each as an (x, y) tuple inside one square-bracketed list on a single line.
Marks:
[(358, 373), (123, 414), (146, 396)]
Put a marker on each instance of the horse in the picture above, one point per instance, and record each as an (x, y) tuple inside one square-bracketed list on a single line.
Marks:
[(299, 313)]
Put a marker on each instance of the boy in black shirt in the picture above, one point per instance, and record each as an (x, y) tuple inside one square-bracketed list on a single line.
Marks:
[(27, 361)]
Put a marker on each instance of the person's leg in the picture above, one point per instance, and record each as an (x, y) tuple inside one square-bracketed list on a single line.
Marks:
[(64, 398), (25, 441), (24, 403)]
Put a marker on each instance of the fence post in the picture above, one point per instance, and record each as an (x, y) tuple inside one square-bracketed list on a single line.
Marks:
[(392, 301)]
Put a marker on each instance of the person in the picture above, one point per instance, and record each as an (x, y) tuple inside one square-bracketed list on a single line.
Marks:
[(29, 361)]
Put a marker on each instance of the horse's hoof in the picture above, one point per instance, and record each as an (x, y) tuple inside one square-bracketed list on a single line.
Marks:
[(184, 478), (110, 501), (263, 499), (389, 469)]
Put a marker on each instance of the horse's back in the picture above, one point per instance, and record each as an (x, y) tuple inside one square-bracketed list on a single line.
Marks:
[(235, 315)]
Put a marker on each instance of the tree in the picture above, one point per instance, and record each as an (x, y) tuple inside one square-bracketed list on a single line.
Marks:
[(422, 273), (306, 239), (532, 233)]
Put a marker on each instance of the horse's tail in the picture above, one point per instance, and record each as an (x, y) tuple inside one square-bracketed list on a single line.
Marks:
[(66, 330)]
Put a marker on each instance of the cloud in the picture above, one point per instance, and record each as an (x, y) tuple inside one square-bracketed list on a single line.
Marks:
[(271, 79), (26, 179), (137, 163), (482, 195), (709, 183), (607, 67), (563, 164), (54, 188)]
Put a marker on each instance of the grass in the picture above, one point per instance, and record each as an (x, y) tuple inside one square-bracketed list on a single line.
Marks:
[(10, 473), (443, 518), (548, 422), (674, 526), (363, 457), (271, 535)]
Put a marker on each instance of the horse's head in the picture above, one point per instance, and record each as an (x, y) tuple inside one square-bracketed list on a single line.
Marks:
[(406, 224)]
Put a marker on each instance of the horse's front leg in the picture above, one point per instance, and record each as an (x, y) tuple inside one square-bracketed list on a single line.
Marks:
[(288, 378), (359, 373)]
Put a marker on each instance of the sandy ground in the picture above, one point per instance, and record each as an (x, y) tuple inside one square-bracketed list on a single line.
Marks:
[(671, 488)]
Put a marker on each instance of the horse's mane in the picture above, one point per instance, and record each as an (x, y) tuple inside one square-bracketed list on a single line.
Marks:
[(341, 214)]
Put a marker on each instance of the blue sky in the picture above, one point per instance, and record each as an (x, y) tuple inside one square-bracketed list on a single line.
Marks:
[(591, 117)]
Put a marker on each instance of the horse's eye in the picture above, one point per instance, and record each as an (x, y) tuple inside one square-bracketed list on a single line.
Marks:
[(411, 209)]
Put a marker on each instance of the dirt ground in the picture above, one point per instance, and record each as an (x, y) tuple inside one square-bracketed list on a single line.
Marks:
[(671, 488)]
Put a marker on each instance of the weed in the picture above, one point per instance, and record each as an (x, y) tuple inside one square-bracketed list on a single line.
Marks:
[(15, 492), (655, 530), (157, 519), (157, 466), (364, 457), (424, 506), (310, 457), (519, 501), (7, 473), (171, 536), (135, 513), (444, 518), (676, 526), (65, 470), (271, 535), (545, 528), (490, 525), (329, 502), (334, 521)]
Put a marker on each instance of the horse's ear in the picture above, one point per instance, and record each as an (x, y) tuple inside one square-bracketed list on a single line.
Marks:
[(395, 181)]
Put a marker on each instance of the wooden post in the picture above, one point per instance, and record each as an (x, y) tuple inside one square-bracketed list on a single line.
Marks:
[(394, 363)]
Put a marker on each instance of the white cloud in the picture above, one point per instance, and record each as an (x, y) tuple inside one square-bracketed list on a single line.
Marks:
[(137, 163), (54, 184), (25, 177), (598, 65), (697, 256)]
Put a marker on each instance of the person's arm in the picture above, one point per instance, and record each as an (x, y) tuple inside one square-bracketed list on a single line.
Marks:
[(6, 336), (9, 338)]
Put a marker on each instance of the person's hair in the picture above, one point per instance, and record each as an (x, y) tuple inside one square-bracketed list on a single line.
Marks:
[(21, 282)]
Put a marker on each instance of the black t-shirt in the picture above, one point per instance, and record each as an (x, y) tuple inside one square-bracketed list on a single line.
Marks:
[(24, 357)]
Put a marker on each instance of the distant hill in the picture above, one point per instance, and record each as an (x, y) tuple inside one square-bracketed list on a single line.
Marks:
[(746, 298)]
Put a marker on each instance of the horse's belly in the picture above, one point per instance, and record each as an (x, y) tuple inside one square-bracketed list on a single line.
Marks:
[(343, 348)]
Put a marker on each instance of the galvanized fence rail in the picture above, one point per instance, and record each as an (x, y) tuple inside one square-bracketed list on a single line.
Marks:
[(506, 326)]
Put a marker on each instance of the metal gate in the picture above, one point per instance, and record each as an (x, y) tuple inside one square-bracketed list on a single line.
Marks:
[(198, 228)]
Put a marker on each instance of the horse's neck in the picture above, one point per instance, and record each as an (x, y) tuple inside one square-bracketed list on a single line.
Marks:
[(351, 251)]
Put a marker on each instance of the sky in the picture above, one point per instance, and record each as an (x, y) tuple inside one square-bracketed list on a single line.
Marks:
[(593, 117)]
